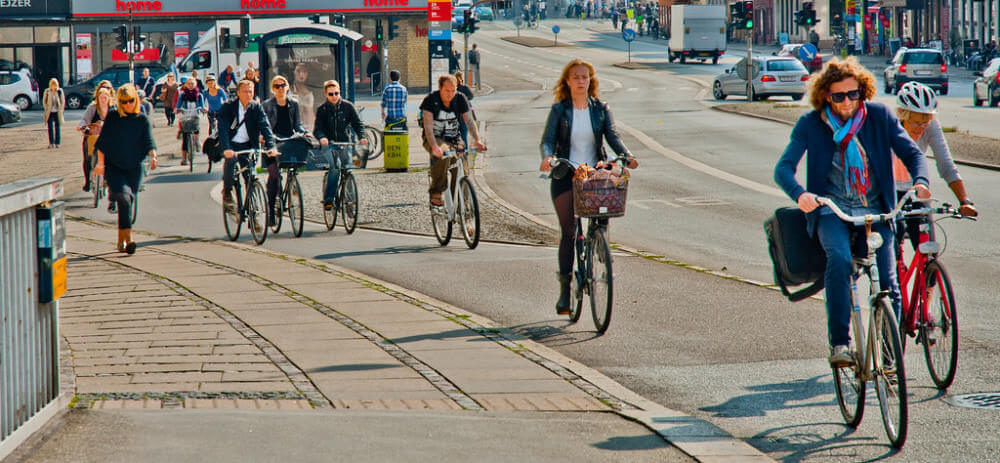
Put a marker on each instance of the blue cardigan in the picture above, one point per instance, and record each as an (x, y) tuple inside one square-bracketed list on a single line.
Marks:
[(881, 135)]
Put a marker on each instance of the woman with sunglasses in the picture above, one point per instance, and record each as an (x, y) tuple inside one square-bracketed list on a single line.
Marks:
[(283, 115), (850, 140), (125, 141)]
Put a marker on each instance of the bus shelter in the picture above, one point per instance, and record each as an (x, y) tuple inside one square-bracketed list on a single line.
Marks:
[(308, 56)]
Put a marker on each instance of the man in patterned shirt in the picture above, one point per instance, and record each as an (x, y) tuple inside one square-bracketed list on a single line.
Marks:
[(394, 102)]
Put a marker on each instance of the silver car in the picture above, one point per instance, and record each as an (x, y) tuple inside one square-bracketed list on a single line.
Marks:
[(986, 88), (773, 76), (924, 65)]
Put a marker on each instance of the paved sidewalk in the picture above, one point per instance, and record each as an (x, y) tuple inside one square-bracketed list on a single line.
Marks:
[(292, 359)]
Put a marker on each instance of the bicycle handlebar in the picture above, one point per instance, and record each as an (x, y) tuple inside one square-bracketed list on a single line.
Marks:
[(946, 210), (867, 218)]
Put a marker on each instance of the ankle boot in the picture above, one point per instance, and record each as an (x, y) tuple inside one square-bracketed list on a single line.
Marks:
[(562, 306), (129, 244), (120, 243)]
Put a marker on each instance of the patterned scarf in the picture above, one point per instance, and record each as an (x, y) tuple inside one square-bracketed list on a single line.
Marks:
[(852, 153)]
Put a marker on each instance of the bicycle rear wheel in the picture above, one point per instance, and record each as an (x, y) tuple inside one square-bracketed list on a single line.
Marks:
[(293, 201), (233, 217), (349, 202), (600, 279), (257, 212), (329, 216), (468, 212), (890, 380), (280, 203), (939, 331), (375, 147)]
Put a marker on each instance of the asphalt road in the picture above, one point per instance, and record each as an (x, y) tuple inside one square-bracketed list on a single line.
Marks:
[(735, 354)]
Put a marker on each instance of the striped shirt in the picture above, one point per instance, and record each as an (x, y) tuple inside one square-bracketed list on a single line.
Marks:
[(394, 100)]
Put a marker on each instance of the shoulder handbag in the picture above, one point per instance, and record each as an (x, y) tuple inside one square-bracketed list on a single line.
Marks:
[(212, 147), (797, 257)]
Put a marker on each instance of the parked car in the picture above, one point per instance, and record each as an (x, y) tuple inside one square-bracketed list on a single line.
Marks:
[(79, 95), (924, 65), (986, 88), (772, 76), (485, 13), (9, 113), (792, 50), (19, 87)]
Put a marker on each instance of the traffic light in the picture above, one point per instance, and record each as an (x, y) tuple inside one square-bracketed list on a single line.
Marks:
[(808, 14), (393, 28), (138, 39), (244, 39), (121, 36), (747, 19), (811, 17), (472, 26), (314, 19), (467, 21), (337, 20), (225, 41), (378, 30), (800, 17)]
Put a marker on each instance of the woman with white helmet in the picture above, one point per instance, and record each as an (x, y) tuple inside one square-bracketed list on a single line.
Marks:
[(916, 105)]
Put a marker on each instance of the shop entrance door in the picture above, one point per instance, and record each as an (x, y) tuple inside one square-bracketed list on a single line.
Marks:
[(48, 65)]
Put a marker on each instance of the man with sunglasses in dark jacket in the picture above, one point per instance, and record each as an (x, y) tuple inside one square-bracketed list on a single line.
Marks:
[(850, 141), (336, 120)]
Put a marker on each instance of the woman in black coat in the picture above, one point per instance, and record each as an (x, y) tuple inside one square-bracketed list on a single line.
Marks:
[(576, 103), (283, 116), (125, 141)]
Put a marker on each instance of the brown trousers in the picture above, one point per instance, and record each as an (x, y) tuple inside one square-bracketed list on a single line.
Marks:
[(439, 168)]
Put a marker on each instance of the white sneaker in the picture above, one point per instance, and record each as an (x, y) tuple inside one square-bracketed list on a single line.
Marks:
[(840, 356)]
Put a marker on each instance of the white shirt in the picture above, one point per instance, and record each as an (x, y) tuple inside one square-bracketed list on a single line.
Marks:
[(241, 135), (582, 146)]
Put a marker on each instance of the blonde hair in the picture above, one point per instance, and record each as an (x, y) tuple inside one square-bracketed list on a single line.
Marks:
[(330, 83), (126, 92), (835, 71), (100, 85), (459, 77), (53, 82), (562, 90), (243, 83), (279, 79)]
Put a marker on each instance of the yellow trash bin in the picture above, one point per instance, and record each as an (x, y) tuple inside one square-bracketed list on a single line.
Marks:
[(397, 150)]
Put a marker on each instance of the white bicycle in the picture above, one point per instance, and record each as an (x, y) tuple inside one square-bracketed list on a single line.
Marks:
[(459, 206)]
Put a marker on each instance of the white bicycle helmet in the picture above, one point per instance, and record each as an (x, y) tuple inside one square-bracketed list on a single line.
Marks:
[(917, 97)]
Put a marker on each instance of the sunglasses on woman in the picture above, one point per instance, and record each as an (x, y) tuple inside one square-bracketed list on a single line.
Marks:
[(279, 86), (130, 101), (838, 97)]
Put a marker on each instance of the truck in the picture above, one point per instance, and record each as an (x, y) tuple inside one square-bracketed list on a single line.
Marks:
[(696, 32)]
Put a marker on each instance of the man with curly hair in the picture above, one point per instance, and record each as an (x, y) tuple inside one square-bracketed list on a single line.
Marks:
[(850, 140)]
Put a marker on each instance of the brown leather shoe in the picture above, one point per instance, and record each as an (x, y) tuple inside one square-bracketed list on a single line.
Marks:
[(122, 240)]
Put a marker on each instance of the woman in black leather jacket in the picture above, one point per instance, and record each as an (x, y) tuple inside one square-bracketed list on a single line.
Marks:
[(576, 102)]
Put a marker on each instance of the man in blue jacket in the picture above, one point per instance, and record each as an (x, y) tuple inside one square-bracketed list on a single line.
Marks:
[(850, 141), (242, 123)]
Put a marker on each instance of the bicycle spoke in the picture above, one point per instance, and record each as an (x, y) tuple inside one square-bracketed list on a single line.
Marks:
[(349, 202), (601, 280), (295, 211), (469, 213), (939, 327), (890, 379)]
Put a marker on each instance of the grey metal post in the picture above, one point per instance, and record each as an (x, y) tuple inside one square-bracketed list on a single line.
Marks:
[(750, 66)]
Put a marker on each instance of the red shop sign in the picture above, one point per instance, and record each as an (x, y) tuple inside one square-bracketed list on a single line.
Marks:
[(868, 22), (439, 11)]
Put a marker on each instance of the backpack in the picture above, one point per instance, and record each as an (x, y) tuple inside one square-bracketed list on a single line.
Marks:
[(797, 257)]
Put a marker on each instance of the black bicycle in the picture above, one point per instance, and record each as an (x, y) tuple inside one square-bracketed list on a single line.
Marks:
[(252, 208), (346, 202), (289, 192), (594, 275), (189, 122), (375, 147)]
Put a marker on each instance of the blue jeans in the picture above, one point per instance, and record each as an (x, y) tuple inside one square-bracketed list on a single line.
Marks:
[(338, 157), (834, 236), (55, 134)]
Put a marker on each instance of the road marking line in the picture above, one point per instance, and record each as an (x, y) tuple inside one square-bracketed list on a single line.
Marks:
[(700, 166)]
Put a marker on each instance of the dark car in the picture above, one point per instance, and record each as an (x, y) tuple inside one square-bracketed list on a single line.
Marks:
[(9, 113), (79, 95)]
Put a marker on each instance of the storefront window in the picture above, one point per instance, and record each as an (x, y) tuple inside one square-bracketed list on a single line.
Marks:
[(53, 34), (26, 56), (15, 35)]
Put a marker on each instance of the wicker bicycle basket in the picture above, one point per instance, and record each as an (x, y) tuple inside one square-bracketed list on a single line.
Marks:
[(601, 195), (189, 124)]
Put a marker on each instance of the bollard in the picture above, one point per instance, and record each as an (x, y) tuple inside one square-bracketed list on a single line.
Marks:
[(397, 150)]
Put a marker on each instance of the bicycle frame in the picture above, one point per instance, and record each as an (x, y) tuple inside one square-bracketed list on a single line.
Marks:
[(249, 174), (915, 273), (451, 197)]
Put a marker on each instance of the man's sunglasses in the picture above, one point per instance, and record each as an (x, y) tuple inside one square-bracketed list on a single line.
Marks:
[(838, 97), (332, 93), (279, 85)]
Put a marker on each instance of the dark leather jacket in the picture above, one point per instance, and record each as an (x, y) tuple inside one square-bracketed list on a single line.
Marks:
[(333, 121), (555, 139), (271, 110)]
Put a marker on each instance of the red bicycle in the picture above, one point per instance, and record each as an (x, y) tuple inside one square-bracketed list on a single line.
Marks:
[(929, 311)]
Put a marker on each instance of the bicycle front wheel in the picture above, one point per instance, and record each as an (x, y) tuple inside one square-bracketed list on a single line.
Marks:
[(189, 141), (442, 225), (375, 147), (232, 217), (257, 212), (329, 215), (580, 278), (600, 280), (279, 207), (939, 326), (890, 379), (349, 202), (850, 392), (293, 201), (468, 210)]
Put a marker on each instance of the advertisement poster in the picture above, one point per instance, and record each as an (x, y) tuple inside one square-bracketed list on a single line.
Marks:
[(307, 66), (84, 64), (181, 45)]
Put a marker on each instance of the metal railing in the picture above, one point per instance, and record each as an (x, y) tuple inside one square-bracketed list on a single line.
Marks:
[(29, 336)]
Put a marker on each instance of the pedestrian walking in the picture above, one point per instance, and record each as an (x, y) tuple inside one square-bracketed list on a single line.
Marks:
[(439, 115), (53, 103), (146, 83), (814, 38), (374, 72), (474, 60), (467, 93), (577, 126), (394, 102), (168, 95), (125, 141), (850, 140)]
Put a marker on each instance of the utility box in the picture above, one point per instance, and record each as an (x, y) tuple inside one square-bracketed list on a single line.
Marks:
[(51, 251), (397, 150)]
